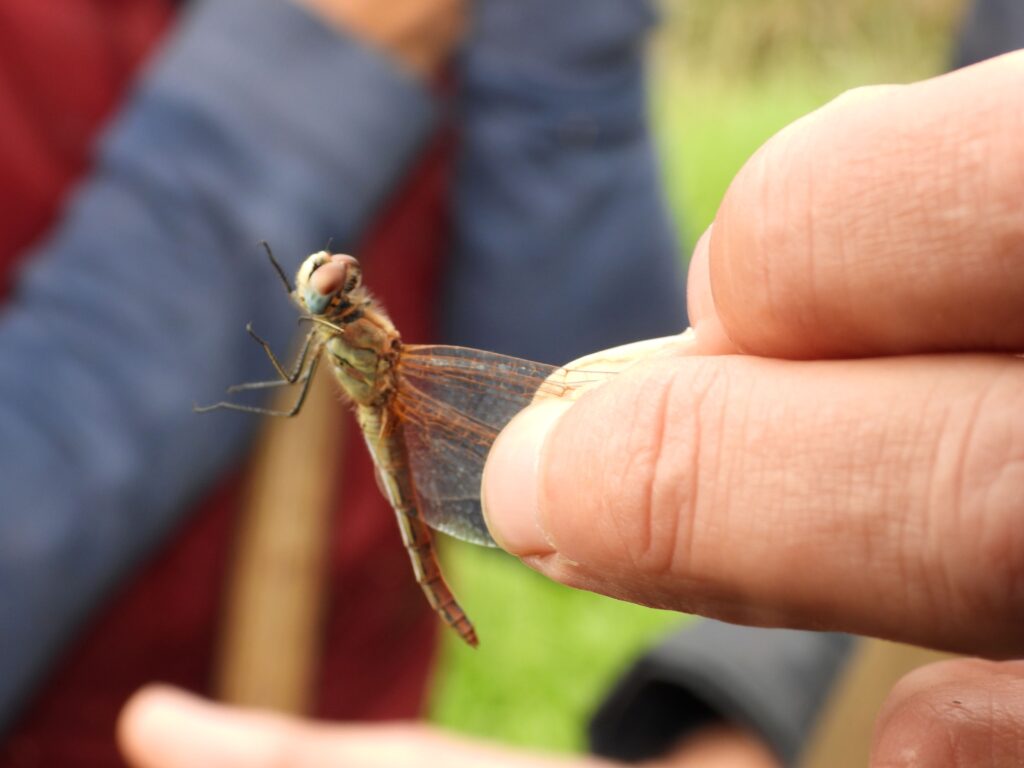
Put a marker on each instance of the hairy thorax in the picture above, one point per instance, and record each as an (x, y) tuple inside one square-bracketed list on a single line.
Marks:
[(363, 354)]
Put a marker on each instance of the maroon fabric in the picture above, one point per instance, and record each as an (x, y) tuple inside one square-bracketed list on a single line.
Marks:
[(379, 635), (63, 68), (160, 626)]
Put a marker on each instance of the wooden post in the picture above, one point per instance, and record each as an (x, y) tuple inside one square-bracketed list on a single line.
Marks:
[(270, 640)]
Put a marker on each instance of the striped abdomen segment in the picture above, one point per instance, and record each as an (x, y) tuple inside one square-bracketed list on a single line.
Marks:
[(395, 481), (417, 539)]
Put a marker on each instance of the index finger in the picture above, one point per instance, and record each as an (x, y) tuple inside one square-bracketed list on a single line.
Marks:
[(888, 222)]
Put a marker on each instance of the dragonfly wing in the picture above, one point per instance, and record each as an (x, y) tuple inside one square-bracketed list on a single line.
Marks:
[(447, 479), (452, 402)]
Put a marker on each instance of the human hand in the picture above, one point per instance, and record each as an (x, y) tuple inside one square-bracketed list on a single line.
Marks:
[(419, 34), (164, 728), (840, 442)]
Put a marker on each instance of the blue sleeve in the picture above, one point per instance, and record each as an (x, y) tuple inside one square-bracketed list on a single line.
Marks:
[(255, 122), (562, 241), (989, 28), (773, 682)]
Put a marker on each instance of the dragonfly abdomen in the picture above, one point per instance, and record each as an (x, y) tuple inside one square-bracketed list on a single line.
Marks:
[(418, 543), (395, 480)]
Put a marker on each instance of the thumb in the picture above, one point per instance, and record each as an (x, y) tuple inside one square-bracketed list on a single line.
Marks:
[(811, 494), (588, 493)]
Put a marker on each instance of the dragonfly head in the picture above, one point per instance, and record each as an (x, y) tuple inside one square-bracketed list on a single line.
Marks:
[(326, 282)]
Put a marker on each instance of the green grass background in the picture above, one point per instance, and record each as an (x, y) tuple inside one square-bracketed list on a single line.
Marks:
[(726, 75)]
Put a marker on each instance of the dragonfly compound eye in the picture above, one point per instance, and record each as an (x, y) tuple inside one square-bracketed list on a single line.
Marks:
[(339, 275), (328, 279)]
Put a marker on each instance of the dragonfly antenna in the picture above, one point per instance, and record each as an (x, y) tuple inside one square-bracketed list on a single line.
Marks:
[(280, 272)]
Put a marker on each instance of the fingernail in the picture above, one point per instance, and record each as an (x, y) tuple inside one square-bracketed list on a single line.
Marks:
[(510, 493)]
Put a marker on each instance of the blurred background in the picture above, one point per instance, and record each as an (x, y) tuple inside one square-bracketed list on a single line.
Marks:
[(726, 75), (169, 550)]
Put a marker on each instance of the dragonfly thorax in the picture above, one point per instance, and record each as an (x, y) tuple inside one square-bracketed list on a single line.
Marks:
[(356, 335), (362, 355)]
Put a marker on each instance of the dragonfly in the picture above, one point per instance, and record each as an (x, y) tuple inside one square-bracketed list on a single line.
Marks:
[(428, 413)]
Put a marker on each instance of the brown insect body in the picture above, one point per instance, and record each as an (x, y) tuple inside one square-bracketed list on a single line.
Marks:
[(363, 346), (429, 413)]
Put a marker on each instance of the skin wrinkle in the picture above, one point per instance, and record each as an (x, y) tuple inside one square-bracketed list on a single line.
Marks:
[(770, 474), (711, 387), (814, 489), (618, 476), (663, 524), (940, 425), (954, 488), (652, 541), (623, 529), (747, 425), (1000, 541), (886, 476), (968, 174), (719, 477), (750, 419), (792, 489), (877, 226), (923, 593), (940, 589), (813, 459), (640, 533)]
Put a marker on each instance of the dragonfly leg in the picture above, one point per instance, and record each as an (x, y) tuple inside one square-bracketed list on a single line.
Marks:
[(226, 405), (259, 385), (317, 320), (288, 378)]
